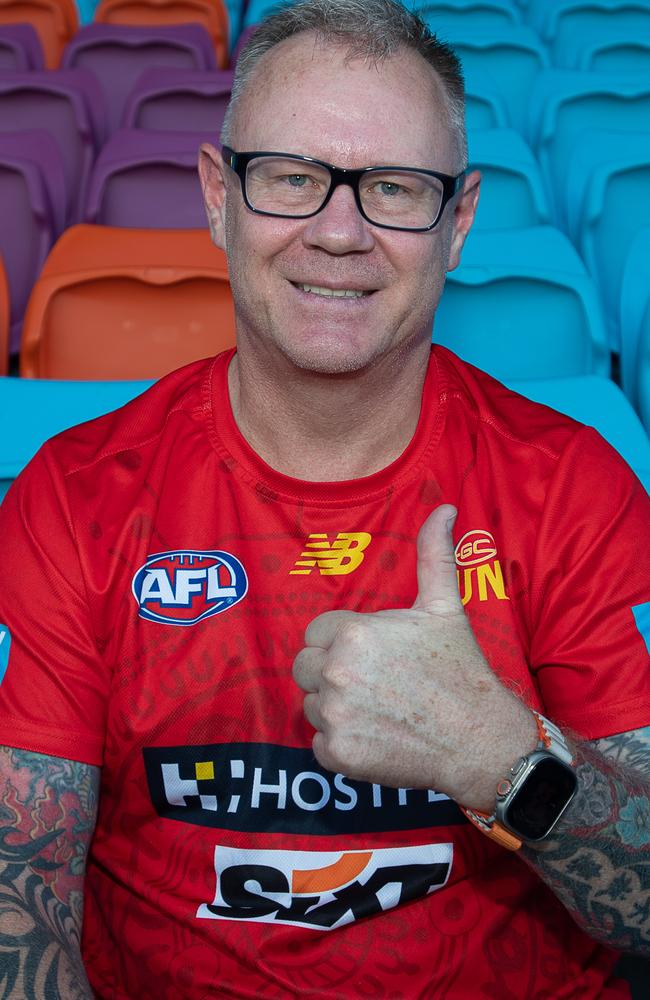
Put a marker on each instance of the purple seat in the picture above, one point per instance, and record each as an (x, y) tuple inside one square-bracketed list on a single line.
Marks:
[(20, 48), (179, 100), (68, 105), (118, 53), (243, 39), (32, 209), (148, 180)]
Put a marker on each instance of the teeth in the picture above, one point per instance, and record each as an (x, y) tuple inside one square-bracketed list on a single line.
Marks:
[(337, 293)]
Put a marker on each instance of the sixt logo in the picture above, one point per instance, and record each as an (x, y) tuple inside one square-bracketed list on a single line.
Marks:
[(184, 587), (322, 889), (342, 556), (264, 787)]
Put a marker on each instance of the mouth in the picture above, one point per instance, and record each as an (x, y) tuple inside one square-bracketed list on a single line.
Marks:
[(332, 293)]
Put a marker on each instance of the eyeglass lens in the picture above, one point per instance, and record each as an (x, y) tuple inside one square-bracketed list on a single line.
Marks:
[(284, 186)]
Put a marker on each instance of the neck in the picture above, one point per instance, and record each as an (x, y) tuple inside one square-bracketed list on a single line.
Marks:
[(327, 428)]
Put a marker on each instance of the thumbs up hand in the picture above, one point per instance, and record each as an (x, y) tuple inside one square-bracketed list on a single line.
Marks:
[(405, 697)]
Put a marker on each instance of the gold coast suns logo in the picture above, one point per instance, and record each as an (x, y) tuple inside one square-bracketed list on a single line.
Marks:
[(479, 570), (322, 889)]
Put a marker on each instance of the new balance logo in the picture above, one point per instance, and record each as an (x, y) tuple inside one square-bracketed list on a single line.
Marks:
[(342, 556)]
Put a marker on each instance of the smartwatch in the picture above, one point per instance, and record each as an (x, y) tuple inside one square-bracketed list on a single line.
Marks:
[(535, 793)]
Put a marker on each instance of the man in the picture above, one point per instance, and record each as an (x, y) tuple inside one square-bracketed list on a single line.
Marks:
[(276, 621)]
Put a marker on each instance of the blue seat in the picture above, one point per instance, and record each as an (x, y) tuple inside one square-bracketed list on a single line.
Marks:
[(512, 190), (86, 10), (36, 409), (635, 324), (521, 305), (484, 106), (611, 52), (598, 402), (462, 17), (511, 57), (567, 103), (235, 11), (255, 10), (608, 191), (564, 23)]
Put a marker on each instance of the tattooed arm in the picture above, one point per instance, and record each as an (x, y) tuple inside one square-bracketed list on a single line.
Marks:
[(597, 861), (48, 808)]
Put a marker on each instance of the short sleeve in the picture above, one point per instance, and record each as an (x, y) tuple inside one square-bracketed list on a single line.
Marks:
[(590, 650), (54, 692)]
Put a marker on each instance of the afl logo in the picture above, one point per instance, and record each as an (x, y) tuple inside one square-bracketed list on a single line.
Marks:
[(475, 547), (184, 587)]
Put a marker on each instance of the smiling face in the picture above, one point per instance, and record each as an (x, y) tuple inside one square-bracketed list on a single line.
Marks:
[(333, 293)]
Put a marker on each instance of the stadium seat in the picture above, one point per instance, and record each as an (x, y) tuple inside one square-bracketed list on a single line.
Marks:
[(562, 23), (614, 52), (179, 100), (20, 48), (86, 10), (242, 40), (567, 103), (455, 18), (117, 54), (68, 105), (635, 324), (4, 328), (54, 20), (32, 205), (37, 409), (255, 10), (148, 179), (210, 14), (511, 57), (521, 305), (598, 402), (609, 185), (127, 303), (512, 190), (484, 106)]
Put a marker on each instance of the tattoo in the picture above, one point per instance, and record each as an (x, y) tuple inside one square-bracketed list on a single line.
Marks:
[(47, 815), (598, 860)]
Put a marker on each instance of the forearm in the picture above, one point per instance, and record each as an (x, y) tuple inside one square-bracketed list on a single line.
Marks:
[(597, 861)]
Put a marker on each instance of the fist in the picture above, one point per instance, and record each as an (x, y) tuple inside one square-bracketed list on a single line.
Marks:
[(405, 697)]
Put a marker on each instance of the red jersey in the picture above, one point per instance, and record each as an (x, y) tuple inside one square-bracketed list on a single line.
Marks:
[(157, 578)]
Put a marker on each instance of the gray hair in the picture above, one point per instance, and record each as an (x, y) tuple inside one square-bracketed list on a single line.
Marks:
[(371, 29)]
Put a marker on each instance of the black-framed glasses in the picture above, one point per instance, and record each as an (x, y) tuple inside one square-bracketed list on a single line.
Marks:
[(296, 187)]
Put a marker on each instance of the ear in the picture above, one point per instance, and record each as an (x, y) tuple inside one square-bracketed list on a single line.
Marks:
[(213, 185), (464, 212)]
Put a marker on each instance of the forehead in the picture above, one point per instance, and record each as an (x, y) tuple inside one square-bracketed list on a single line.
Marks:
[(309, 97)]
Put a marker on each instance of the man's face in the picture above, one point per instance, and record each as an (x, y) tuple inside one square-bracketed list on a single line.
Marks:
[(306, 99)]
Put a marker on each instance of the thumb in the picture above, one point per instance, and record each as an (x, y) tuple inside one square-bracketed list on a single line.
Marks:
[(437, 580)]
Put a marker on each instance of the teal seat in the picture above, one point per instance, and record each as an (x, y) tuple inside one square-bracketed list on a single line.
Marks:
[(565, 104), (614, 52), (522, 305), (600, 403), (255, 10), (635, 324), (86, 9), (564, 24), (512, 190), (608, 194), (36, 409), (484, 106), (460, 17), (511, 56)]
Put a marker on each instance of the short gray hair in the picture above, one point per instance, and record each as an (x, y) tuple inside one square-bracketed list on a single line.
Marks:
[(370, 29)]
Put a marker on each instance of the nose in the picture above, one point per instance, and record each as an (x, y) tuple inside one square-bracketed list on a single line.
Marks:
[(339, 228)]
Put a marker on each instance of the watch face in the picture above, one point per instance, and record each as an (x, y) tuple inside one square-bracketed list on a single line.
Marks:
[(544, 795)]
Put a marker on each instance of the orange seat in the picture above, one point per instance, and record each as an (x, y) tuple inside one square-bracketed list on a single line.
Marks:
[(115, 303), (4, 321), (55, 21), (211, 14)]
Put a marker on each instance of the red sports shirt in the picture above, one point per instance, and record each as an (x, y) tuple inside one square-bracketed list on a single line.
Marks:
[(156, 580)]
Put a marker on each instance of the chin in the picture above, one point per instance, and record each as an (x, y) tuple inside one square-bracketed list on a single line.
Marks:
[(330, 359)]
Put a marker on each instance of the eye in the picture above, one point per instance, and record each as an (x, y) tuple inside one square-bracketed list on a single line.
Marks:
[(297, 180), (390, 188)]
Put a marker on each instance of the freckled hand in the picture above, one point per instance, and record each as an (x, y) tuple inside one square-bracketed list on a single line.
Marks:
[(405, 697)]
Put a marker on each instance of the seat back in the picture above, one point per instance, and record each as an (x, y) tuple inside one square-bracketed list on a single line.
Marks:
[(635, 323), (609, 56), (521, 305), (484, 106), (565, 22), (148, 179), (55, 22), (512, 190), (4, 323), (179, 100), (67, 105), (37, 409), (20, 48), (117, 54), (32, 203), (464, 17), (211, 14), (127, 303)]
